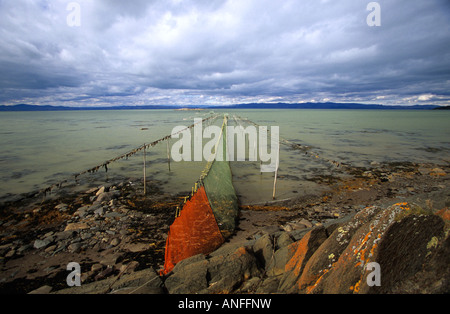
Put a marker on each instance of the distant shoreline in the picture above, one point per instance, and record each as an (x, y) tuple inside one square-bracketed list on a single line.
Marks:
[(328, 105)]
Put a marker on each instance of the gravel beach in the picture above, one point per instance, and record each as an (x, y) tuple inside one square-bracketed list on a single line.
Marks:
[(117, 235)]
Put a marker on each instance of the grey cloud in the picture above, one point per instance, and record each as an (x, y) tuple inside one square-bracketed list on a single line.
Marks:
[(230, 51)]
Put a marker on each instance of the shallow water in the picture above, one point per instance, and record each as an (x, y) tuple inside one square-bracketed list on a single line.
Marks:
[(38, 149)]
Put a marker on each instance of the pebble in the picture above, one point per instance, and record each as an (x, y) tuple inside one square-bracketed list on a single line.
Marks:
[(100, 191), (42, 290), (74, 247), (115, 242), (39, 244), (96, 267), (104, 273), (62, 207), (99, 211), (76, 226)]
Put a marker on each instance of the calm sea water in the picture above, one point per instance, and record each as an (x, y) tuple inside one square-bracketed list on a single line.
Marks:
[(38, 149)]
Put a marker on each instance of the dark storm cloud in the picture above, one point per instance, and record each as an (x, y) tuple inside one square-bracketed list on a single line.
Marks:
[(226, 51)]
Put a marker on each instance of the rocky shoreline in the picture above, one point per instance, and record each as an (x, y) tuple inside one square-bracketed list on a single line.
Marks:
[(394, 214)]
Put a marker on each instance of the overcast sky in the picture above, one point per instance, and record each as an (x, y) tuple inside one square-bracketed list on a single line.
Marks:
[(140, 52)]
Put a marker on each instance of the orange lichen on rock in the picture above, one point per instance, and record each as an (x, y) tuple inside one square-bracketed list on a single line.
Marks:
[(444, 213), (310, 289), (355, 288), (239, 252), (295, 263)]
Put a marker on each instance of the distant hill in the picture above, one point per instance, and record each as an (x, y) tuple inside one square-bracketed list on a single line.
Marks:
[(442, 108), (25, 107), (327, 105)]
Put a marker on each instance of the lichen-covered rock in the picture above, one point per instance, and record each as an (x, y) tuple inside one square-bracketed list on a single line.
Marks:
[(304, 250), (324, 257), (394, 239)]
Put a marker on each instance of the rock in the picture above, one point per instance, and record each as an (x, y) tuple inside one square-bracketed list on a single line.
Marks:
[(263, 249), (143, 289), (437, 172), (42, 290), (189, 276), (228, 272), (110, 257), (39, 244), (74, 247), (144, 281), (281, 257), (402, 250), (10, 253), (62, 207), (64, 235), (287, 227), (104, 273), (6, 246), (284, 239), (49, 234), (76, 226), (129, 268), (250, 285), (269, 285), (96, 267), (136, 247), (24, 248), (100, 191), (114, 242), (107, 196), (306, 223), (444, 213), (50, 249), (99, 211), (322, 258), (222, 272), (85, 235), (367, 174), (394, 238), (296, 225), (113, 215), (304, 250)]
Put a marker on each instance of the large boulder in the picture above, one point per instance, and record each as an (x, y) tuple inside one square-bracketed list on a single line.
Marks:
[(229, 272), (303, 251), (188, 276), (222, 272), (393, 237)]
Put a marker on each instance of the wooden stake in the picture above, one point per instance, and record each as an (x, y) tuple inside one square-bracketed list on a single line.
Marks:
[(145, 174), (274, 183), (276, 174), (168, 154)]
